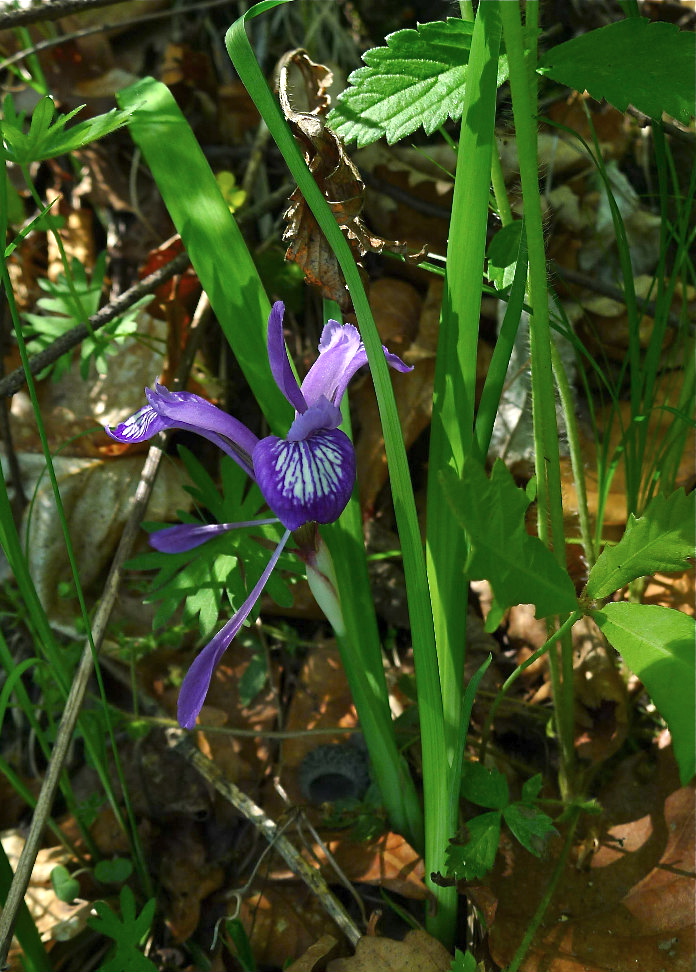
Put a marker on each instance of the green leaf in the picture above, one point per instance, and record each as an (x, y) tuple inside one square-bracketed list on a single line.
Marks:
[(633, 61), (657, 643), (463, 962), (224, 568), (485, 787), (475, 858), (253, 678), (66, 887), (127, 931), (115, 871), (520, 569), (530, 826), (417, 80), (47, 138), (662, 539)]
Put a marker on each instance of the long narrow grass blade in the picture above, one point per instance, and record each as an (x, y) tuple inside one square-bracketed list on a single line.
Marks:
[(210, 234)]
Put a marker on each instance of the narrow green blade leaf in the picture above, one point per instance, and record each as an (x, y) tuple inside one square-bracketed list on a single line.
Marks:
[(662, 539), (657, 643), (417, 80), (520, 568), (210, 234), (633, 61)]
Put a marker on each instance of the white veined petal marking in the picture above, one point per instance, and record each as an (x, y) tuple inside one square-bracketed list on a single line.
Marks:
[(308, 470), (137, 425)]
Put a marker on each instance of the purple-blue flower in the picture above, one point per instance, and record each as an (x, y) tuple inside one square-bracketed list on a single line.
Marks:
[(306, 477)]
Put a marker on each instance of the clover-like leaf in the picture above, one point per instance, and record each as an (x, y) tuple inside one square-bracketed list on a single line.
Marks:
[(416, 80), (633, 61)]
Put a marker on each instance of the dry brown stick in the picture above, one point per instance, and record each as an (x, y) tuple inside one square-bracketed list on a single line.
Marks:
[(78, 688), (66, 342), (49, 11), (104, 28), (271, 831)]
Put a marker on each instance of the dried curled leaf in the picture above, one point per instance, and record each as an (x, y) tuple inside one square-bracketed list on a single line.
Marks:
[(336, 176)]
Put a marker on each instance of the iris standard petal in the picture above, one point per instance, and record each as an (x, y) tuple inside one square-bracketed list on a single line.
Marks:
[(341, 354), (195, 686), (309, 479), (279, 362), (322, 415), (187, 536)]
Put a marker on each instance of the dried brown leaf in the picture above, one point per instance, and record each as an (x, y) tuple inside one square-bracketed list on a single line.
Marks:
[(335, 174), (418, 952)]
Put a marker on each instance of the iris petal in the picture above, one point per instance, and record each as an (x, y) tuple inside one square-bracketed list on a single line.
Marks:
[(195, 686), (187, 536), (341, 354), (139, 427), (278, 359), (305, 480)]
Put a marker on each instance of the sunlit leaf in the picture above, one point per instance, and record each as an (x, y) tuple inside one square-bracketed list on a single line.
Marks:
[(633, 61), (662, 539), (657, 643), (417, 80)]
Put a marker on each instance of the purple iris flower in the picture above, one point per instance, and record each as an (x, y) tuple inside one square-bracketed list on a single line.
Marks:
[(305, 478)]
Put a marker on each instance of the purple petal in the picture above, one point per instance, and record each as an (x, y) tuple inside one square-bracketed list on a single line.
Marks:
[(186, 536), (195, 686), (279, 362), (305, 480), (184, 410), (322, 415), (188, 411), (341, 354), (139, 427)]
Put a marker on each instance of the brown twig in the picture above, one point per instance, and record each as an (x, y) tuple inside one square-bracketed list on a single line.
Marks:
[(49, 11), (103, 28), (270, 830), (66, 342)]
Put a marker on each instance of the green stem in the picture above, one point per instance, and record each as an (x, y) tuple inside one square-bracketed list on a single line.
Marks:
[(548, 894), (546, 444), (510, 681), (576, 457)]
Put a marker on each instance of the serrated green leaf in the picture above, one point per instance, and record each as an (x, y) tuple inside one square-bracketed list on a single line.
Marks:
[(633, 61), (657, 643), (530, 826), (520, 569), (531, 788), (662, 539), (47, 138), (483, 786), (416, 80), (475, 858)]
